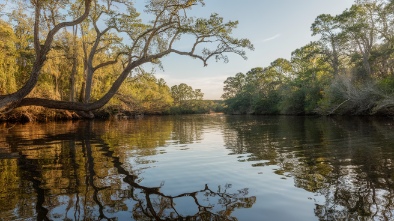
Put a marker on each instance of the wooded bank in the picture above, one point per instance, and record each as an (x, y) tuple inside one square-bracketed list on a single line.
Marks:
[(78, 59), (349, 70)]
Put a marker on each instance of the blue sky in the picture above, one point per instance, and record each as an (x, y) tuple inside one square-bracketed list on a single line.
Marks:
[(275, 27)]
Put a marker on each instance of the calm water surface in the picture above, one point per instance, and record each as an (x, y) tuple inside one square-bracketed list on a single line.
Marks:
[(205, 167)]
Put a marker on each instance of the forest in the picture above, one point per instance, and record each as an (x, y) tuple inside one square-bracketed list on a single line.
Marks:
[(72, 59), (348, 70), (83, 59)]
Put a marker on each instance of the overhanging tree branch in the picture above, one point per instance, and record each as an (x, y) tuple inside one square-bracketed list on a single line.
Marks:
[(148, 43)]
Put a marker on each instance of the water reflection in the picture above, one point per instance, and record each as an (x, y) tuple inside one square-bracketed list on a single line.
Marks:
[(82, 171), (347, 161), (103, 170)]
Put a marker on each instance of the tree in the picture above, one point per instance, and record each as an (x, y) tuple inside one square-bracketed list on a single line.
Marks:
[(349, 70), (144, 93), (332, 39), (24, 43), (359, 26), (310, 71), (181, 93), (188, 100), (233, 85), (147, 43), (270, 84)]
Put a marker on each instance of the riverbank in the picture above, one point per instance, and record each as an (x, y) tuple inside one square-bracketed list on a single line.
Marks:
[(42, 115)]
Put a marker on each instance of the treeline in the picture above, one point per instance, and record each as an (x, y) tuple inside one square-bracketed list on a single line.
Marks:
[(349, 70)]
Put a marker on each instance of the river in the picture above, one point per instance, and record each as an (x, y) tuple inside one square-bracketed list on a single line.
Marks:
[(201, 167)]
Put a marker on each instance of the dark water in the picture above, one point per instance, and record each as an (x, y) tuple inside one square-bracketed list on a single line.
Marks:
[(206, 167)]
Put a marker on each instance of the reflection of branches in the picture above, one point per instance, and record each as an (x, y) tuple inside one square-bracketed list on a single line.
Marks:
[(147, 207), (187, 130), (143, 202), (361, 198), (31, 173), (229, 201), (77, 184), (347, 161), (91, 174)]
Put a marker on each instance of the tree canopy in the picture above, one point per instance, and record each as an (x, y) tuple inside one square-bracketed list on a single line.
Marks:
[(75, 55)]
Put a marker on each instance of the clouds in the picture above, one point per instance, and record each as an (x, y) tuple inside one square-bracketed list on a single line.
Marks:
[(271, 38)]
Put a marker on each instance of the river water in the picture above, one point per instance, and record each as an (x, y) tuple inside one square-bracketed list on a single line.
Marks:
[(202, 167)]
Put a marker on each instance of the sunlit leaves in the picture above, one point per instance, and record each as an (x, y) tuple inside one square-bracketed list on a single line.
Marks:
[(8, 55), (115, 41), (144, 93)]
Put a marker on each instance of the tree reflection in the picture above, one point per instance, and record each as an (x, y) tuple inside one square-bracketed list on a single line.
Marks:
[(188, 129), (348, 161), (158, 206), (72, 173)]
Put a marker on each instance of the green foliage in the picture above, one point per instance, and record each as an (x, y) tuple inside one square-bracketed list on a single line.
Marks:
[(218, 106), (386, 85), (144, 93), (349, 70), (188, 101), (8, 55), (256, 92), (76, 55)]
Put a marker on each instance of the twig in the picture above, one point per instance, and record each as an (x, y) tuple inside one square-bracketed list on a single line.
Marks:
[(338, 107)]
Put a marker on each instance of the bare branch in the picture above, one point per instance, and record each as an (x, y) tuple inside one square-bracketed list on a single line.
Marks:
[(109, 62)]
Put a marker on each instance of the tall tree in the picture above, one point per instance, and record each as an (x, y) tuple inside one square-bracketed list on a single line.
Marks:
[(233, 85), (359, 24), (188, 100), (143, 43), (181, 93), (332, 38)]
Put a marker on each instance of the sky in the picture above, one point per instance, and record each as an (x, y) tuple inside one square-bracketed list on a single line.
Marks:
[(275, 28)]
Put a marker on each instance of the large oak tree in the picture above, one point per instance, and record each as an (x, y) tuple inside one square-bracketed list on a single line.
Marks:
[(119, 32)]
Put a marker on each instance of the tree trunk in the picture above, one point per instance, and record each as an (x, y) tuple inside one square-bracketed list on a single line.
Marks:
[(89, 81), (72, 80), (8, 102), (366, 64), (74, 67), (77, 106), (335, 59), (82, 93)]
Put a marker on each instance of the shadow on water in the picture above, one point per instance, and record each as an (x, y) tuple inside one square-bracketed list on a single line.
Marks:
[(70, 172), (348, 162)]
